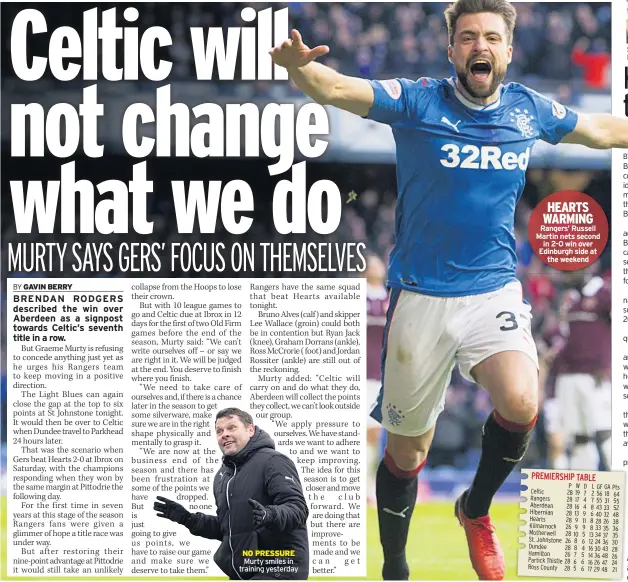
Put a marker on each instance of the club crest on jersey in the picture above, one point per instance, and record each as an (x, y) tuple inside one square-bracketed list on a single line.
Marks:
[(395, 417), (522, 119)]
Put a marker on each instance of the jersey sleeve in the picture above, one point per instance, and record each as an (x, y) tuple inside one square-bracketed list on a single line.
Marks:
[(555, 120), (399, 100)]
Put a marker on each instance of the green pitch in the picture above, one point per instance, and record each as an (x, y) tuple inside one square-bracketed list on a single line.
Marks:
[(437, 547)]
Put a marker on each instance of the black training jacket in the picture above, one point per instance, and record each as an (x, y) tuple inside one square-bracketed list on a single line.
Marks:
[(259, 472)]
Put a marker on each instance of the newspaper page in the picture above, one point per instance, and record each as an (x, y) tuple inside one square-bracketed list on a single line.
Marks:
[(323, 290)]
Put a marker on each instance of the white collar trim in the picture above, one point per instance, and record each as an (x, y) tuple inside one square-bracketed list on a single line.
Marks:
[(470, 104)]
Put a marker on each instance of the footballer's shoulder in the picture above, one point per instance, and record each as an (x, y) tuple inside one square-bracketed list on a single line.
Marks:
[(515, 88), (518, 89), (519, 93), (430, 82), (422, 86)]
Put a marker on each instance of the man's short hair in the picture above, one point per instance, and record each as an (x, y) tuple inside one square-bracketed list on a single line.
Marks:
[(460, 7), (245, 417)]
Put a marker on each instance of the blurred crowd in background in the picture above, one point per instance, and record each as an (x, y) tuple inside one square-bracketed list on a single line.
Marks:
[(563, 45)]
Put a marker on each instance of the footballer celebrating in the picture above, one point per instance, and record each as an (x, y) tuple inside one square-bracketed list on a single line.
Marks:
[(463, 145)]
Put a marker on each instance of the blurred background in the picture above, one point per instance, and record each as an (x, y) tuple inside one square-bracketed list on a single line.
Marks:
[(560, 49)]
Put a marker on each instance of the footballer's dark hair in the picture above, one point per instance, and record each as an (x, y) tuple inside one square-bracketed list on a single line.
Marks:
[(502, 7), (245, 417)]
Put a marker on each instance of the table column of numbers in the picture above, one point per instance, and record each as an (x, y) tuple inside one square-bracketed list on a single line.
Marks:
[(617, 500), (571, 531)]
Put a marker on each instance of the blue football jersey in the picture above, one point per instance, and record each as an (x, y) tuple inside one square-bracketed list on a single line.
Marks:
[(460, 172)]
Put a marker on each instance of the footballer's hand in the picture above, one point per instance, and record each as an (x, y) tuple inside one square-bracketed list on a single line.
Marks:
[(293, 53), (262, 516), (171, 510)]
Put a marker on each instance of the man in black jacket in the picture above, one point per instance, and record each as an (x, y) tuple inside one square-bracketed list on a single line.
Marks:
[(261, 510)]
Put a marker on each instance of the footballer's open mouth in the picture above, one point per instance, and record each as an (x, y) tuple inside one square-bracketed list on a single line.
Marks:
[(481, 70)]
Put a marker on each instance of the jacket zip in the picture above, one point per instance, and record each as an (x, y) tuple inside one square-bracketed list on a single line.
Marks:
[(235, 470)]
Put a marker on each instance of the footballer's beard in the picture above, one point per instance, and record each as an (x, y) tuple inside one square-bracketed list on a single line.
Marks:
[(479, 89)]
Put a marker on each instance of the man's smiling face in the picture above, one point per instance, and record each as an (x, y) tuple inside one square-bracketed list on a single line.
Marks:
[(232, 434)]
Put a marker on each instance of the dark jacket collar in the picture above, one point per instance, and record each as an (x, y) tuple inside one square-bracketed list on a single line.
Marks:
[(260, 440)]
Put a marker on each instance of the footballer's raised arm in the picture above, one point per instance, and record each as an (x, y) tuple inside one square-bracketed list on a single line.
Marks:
[(322, 83), (599, 131), (329, 87), (560, 124)]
